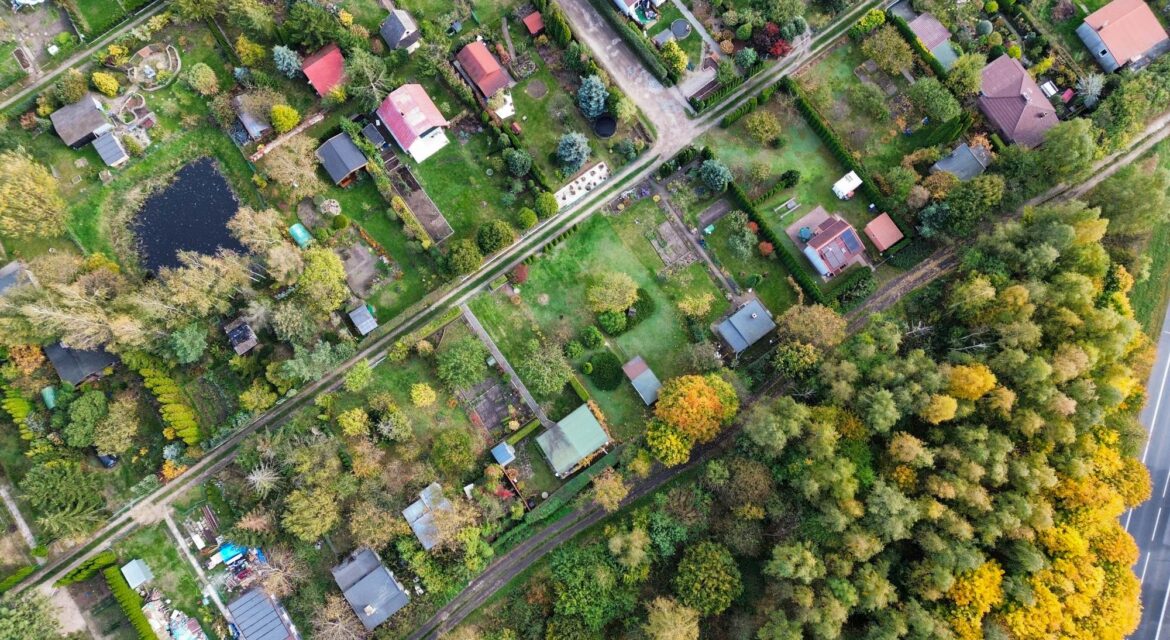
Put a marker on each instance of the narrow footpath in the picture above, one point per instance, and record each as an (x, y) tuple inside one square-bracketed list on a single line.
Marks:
[(475, 325), (208, 589)]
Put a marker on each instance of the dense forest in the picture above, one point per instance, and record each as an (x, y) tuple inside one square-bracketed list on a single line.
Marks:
[(957, 476)]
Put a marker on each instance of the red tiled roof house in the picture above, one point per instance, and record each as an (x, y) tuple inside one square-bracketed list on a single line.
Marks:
[(883, 232), (534, 22), (1124, 32), (325, 69), (481, 69), (1014, 104), (414, 121)]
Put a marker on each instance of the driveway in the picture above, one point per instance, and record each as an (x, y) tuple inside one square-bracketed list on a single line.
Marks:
[(665, 107)]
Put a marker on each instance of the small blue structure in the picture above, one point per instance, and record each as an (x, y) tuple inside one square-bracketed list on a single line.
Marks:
[(503, 453), (49, 395)]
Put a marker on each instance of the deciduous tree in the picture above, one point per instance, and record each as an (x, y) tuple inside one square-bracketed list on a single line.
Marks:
[(609, 489), (322, 286), (698, 406), (707, 579), (887, 48), (30, 200), (666, 619), (611, 291)]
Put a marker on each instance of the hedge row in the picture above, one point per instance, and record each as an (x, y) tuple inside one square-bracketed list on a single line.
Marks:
[(702, 104), (916, 44), (15, 578), (806, 282), (570, 489), (636, 41), (680, 159), (173, 406), (523, 432), (579, 389), (130, 603), (949, 131), (739, 112), (88, 569), (385, 188)]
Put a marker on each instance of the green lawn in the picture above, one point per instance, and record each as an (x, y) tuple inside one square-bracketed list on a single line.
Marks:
[(99, 15), (553, 303), (692, 44), (1151, 296), (542, 479), (456, 178), (487, 12), (773, 289), (396, 378), (172, 573), (10, 70)]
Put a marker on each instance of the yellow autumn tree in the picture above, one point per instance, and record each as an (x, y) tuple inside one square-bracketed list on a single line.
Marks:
[(974, 594), (940, 408), (970, 381), (697, 406)]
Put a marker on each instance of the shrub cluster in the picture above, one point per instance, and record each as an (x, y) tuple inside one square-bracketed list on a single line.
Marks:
[(88, 569), (636, 41), (607, 370), (130, 603)]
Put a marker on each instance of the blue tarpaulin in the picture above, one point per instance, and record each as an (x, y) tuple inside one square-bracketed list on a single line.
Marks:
[(229, 551)]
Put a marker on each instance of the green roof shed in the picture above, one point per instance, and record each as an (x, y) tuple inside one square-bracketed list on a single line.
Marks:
[(568, 442)]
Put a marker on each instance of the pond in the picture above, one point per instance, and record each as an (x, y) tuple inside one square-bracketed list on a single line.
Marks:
[(189, 215)]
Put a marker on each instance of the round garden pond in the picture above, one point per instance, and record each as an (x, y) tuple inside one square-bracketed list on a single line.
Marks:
[(190, 214), (680, 28), (605, 126)]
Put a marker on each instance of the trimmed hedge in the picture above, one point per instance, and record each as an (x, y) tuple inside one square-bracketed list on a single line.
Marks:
[(16, 577), (702, 104), (130, 603), (636, 41), (740, 112), (570, 489), (680, 159), (949, 131), (579, 389), (523, 432), (916, 44), (88, 569)]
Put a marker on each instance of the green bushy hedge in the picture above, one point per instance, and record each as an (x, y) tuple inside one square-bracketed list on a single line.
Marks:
[(579, 389), (89, 568), (523, 432), (130, 603), (15, 577)]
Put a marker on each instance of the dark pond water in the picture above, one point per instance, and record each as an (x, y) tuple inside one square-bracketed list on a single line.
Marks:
[(189, 215)]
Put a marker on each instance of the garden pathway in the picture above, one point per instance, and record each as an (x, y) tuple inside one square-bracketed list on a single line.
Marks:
[(207, 588), (712, 268), (508, 38), (21, 525), (473, 322), (699, 29)]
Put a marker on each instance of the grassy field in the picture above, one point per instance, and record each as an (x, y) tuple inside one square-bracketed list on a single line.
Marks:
[(773, 289), (172, 573), (456, 178), (10, 70), (99, 15), (1151, 296), (692, 44), (553, 303), (486, 11)]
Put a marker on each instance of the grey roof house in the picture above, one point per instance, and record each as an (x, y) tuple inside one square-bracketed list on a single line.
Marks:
[(964, 162), (643, 379), (341, 158), (400, 31), (258, 616), (255, 124), (110, 150), (420, 515), (13, 275), (78, 365), (80, 123), (746, 326), (369, 587)]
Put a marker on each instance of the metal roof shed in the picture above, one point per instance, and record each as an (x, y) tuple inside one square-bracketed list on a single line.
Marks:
[(136, 573), (362, 319), (420, 515), (258, 616), (503, 453), (576, 437), (643, 379), (746, 326), (370, 588), (300, 235)]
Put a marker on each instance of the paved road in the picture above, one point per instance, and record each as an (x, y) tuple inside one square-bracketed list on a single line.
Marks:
[(1149, 524)]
